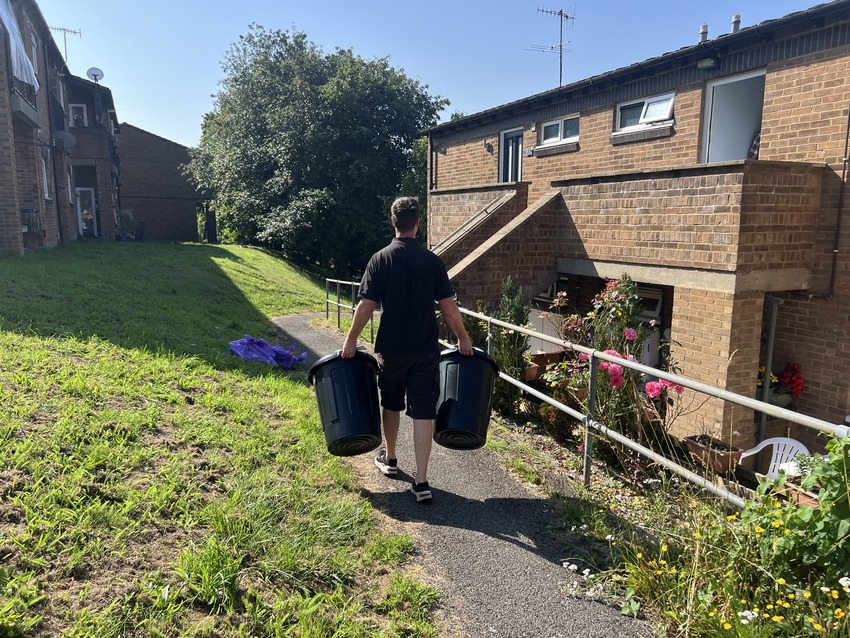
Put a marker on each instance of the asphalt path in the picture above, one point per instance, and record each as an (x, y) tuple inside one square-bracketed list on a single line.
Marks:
[(482, 541)]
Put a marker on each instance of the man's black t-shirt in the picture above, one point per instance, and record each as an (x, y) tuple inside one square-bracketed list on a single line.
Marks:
[(406, 279)]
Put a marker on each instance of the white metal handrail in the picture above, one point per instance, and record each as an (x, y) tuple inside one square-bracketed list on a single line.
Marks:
[(591, 424)]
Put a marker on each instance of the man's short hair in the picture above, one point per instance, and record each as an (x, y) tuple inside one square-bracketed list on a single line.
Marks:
[(405, 212)]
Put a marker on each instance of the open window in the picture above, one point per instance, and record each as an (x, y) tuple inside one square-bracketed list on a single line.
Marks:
[(645, 112)]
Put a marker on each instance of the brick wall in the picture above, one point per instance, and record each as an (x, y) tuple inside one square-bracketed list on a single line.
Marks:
[(11, 241), (768, 224), (154, 186)]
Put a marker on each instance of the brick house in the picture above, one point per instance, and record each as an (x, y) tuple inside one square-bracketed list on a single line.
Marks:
[(713, 175), (154, 186), (58, 158)]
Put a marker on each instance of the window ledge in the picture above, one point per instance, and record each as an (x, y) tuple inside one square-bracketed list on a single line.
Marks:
[(649, 133), (555, 149)]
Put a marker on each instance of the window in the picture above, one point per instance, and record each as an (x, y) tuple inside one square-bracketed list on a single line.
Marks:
[(562, 130), (44, 179), (645, 112), (34, 54), (77, 116)]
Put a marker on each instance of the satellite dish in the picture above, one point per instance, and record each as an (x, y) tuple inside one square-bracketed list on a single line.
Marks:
[(64, 140), (94, 74)]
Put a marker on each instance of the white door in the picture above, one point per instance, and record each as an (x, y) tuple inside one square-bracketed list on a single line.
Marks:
[(86, 213)]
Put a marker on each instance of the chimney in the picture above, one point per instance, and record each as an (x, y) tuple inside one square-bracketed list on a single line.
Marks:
[(736, 22), (703, 32)]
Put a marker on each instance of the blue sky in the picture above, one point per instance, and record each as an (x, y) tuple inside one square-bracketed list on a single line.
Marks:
[(161, 58)]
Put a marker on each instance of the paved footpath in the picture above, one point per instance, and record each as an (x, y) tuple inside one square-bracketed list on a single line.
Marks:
[(482, 541)]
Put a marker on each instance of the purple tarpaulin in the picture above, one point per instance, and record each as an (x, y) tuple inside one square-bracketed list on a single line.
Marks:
[(251, 349)]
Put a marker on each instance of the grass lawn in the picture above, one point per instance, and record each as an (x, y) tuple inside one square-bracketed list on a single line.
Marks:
[(151, 484)]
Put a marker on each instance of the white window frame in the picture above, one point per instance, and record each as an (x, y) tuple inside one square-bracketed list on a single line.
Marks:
[(44, 179), (34, 52), (646, 120), (70, 188), (71, 108), (560, 139)]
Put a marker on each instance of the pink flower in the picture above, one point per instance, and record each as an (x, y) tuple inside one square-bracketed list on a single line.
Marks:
[(614, 353), (616, 380), (666, 384), (583, 356), (603, 365), (615, 369), (679, 389), (630, 334), (653, 389)]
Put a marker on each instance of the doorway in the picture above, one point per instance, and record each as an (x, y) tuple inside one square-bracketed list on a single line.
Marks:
[(87, 222), (510, 158), (733, 108)]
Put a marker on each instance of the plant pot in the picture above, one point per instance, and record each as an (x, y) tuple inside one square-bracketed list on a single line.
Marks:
[(779, 399), (713, 453), (532, 372)]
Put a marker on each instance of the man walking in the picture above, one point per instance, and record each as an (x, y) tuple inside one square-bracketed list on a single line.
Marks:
[(406, 279)]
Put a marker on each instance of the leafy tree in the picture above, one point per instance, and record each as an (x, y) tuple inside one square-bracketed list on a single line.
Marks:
[(305, 150)]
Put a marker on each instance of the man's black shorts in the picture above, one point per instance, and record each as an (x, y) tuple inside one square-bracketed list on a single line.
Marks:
[(417, 375)]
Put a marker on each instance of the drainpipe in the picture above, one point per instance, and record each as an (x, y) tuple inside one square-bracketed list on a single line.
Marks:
[(775, 302), (836, 241), (50, 132), (842, 189)]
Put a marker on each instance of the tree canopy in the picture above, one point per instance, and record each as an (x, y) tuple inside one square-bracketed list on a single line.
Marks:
[(304, 150)]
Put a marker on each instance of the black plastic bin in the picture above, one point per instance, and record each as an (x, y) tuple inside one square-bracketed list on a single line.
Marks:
[(347, 393), (466, 399)]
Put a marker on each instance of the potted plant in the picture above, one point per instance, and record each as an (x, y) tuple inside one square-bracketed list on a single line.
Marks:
[(711, 452), (784, 387)]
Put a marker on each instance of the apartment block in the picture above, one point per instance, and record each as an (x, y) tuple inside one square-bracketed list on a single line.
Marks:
[(715, 176)]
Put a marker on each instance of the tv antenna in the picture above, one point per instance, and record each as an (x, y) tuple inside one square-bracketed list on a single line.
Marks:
[(562, 15), (65, 33)]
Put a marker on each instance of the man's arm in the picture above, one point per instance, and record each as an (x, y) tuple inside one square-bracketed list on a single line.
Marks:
[(451, 313), (362, 314)]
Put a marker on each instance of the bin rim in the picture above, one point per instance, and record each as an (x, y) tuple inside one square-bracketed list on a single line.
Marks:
[(476, 352), (359, 354)]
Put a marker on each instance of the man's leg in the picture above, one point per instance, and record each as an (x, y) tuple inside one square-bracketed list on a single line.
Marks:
[(423, 432), (390, 420)]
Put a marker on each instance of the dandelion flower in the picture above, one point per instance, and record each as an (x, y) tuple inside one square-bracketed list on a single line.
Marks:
[(769, 607), (711, 614), (781, 581), (777, 618), (791, 596), (807, 594), (639, 555), (664, 548), (833, 593), (658, 572), (726, 625), (697, 535), (759, 529), (818, 626)]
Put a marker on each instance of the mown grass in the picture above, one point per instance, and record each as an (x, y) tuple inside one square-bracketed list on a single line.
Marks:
[(151, 484)]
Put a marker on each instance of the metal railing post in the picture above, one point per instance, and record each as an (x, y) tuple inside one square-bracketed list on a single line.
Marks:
[(591, 414), (338, 308), (490, 337), (327, 299)]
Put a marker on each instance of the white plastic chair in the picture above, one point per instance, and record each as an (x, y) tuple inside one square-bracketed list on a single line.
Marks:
[(785, 450)]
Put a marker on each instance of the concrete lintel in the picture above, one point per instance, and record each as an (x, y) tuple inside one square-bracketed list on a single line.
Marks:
[(729, 282)]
